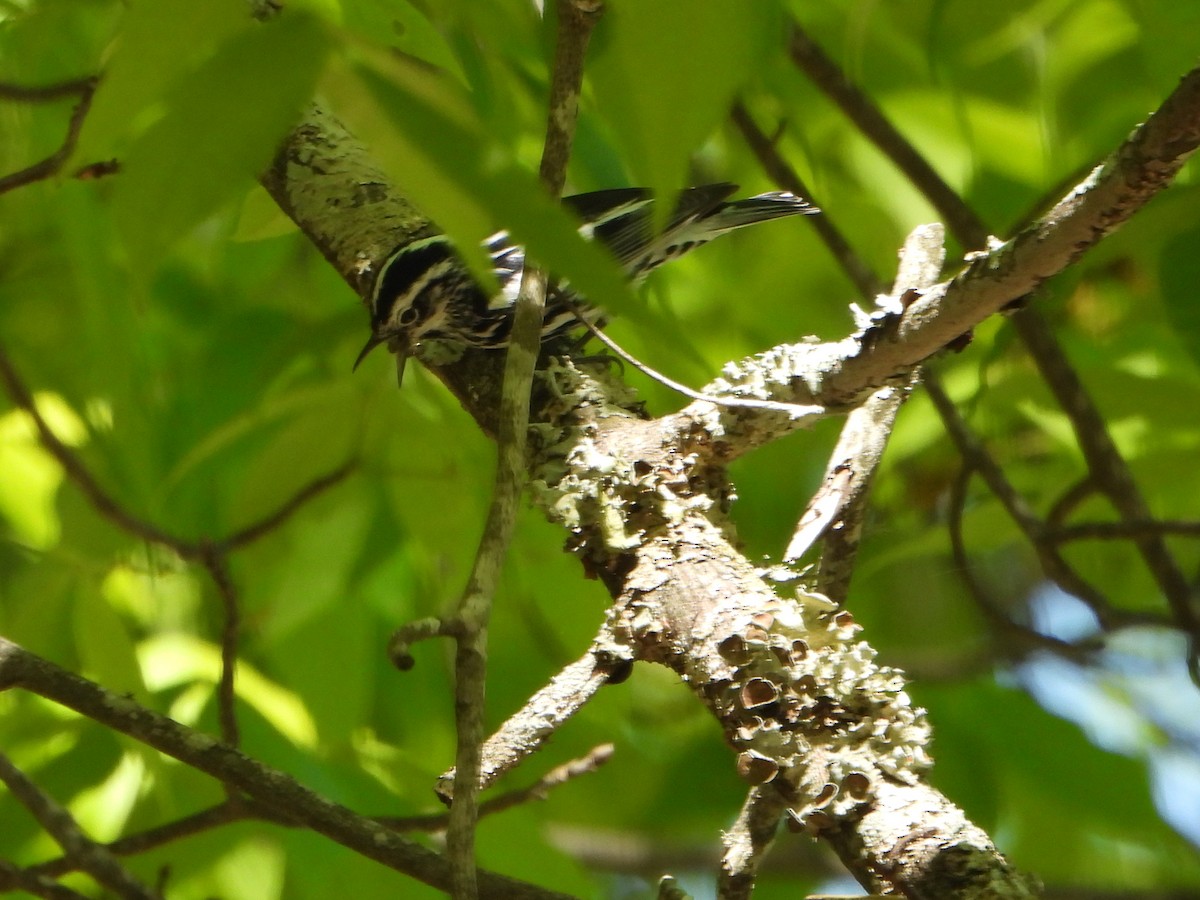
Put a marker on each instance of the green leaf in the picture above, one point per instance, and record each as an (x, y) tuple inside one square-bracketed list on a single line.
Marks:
[(159, 42), (399, 24), (172, 660), (665, 74), (1179, 273), (220, 129)]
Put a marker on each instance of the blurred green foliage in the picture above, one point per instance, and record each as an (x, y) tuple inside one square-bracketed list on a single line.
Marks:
[(195, 352)]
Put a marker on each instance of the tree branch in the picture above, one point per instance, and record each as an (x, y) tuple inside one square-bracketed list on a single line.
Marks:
[(1140, 168), (539, 790), (867, 430), (747, 843), (834, 376), (576, 19), (83, 88), (85, 853), (210, 554), (152, 838), (15, 878), (643, 500), (786, 178), (277, 793), (527, 731)]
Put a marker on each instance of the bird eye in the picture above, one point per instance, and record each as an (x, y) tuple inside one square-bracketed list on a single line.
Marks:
[(408, 316)]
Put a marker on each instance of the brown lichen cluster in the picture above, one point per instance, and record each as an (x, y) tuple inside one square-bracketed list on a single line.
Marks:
[(812, 713)]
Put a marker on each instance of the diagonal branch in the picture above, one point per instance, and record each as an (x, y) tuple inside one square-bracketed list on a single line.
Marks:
[(273, 521), (747, 843), (787, 179), (75, 471), (539, 790), (83, 88), (978, 460), (867, 429), (642, 500), (548, 709), (151, 838), (93, 858), (1140, 168), (33, 883), (277, 793), (836, 376)]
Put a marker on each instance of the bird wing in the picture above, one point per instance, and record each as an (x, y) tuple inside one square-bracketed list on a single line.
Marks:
[(621, 219)]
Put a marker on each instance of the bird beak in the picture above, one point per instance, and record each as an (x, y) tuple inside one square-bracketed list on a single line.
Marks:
[(396, 346), (374, 342), (401, 359)]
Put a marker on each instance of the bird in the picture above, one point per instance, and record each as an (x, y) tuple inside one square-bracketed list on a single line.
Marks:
[(424, 292)]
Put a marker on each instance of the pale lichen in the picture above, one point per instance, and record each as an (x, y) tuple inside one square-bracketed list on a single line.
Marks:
[(806, 694), (596, 488)]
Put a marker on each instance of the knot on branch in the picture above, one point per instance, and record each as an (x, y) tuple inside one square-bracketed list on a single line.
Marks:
[(812, 713)]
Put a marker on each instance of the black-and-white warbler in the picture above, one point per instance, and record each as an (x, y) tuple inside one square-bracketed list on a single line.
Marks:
[(424, 293)]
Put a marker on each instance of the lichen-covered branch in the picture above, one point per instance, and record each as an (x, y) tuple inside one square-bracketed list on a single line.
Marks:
[(547, 710), (748, 841), (645, 509), (798, 695), (867, 430), (836, 376), (327, 183), (1141, 167)]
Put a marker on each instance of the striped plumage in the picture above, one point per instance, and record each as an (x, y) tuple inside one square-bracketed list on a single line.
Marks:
[(424, 293)]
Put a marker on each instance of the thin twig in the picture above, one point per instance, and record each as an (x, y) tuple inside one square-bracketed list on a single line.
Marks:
[(402, 640), (109, 507), (160, 835), (1112, 531), (211, 555), (547, 710), (288, 508), (1111, 474), (576, 18), (1024, 638), (860, 109), (100, 500), (14, 878), (786, 178), (537, 791), (1151, 157), (85, 853), (977, 459), (1070, 499), (85, 89), (214, 561), (24, 93)]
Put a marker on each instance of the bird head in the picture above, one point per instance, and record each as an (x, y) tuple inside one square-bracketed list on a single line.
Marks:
[(409, 300)]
